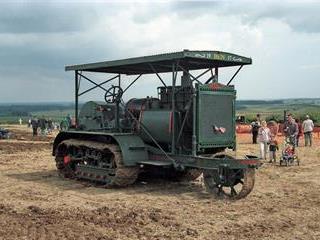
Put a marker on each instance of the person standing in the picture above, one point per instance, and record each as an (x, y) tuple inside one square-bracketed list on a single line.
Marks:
[(291, 130), (273, 147), (255, 125), (42, 125), (69, 120), (264, 137), (307, 127), (20, 121), (35, 125), (50, 126)]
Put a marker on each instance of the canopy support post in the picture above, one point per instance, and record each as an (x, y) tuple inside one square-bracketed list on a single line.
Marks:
[(216, 74), (117, 115), (76, 80), (234, 75), (132, 83), (193, 78), (173, 102), (154, 70)]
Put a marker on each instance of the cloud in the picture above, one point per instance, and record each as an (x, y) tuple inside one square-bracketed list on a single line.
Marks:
[(38, 40), (310, 67), (45, 17), (301, 16)]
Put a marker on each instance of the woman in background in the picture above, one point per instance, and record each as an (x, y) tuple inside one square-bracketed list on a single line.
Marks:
[(264, 137)]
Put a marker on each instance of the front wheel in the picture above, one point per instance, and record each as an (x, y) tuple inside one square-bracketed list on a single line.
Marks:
[(229, 183)]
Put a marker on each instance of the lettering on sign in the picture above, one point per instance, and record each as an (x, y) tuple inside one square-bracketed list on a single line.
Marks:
[(219, 57), (234, 59), (203, 55)]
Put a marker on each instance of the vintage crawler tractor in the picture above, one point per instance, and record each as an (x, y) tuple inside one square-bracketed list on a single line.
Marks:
[(183, 132)]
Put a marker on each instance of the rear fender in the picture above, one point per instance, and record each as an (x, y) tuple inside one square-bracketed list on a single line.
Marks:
[(132, 147)]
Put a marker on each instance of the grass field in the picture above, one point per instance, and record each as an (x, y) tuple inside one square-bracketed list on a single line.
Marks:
[(272, 109), (55, 115), (276, 111)]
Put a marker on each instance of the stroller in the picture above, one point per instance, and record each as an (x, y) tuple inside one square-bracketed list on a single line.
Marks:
[(289, 155)]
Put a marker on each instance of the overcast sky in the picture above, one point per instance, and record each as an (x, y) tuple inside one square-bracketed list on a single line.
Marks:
[(38, 39)]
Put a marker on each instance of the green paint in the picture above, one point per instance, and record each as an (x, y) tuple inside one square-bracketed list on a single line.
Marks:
[(215, 109)]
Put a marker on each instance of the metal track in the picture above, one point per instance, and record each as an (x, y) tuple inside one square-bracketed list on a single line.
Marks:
[(116, 175)]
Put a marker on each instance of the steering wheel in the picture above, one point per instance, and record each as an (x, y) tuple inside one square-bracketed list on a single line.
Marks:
[(113, 94)]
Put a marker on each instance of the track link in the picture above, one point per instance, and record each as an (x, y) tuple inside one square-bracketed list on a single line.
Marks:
[(71, 165)]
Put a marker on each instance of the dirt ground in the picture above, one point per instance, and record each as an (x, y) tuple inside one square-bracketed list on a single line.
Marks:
[(35, 203)]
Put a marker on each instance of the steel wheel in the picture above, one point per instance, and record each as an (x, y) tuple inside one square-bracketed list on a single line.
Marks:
[(233, 184)]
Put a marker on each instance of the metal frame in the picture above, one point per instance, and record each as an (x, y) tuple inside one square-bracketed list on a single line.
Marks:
[(78, 77), (195, 60), (206, 162), (234, 75), (175, 66)]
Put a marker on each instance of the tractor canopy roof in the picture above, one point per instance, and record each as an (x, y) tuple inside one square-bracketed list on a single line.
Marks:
[(189, 60)]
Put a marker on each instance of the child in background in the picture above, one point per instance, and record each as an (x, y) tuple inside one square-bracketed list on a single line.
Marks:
[(289, 150), (273, 147)]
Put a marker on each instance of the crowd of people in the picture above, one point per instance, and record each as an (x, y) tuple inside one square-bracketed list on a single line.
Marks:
[(293, 129), (42, 125)]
